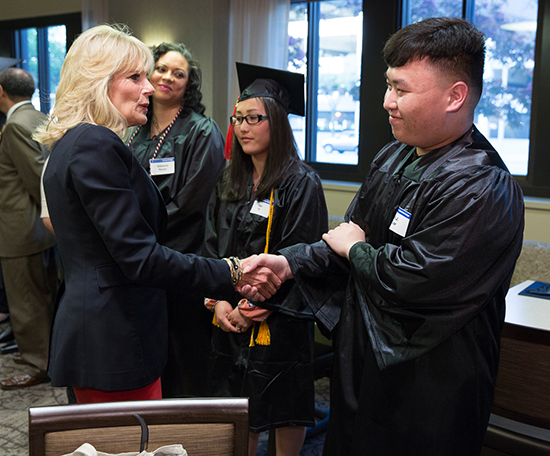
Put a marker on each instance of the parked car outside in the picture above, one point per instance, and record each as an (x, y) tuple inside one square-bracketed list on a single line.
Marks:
[(342, 142)]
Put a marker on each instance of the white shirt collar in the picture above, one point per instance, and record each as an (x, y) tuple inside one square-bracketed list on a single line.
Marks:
[(15, 106)]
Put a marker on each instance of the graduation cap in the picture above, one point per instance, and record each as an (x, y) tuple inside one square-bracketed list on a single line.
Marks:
[(257, 81), (284, 86), (6, 62)]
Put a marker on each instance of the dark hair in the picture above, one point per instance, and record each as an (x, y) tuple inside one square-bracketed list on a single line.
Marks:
[(193, 95), (282, 155), (17, 83), (454, 46)]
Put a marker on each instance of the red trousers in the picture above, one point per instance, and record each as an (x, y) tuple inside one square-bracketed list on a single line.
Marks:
[(149, 392)]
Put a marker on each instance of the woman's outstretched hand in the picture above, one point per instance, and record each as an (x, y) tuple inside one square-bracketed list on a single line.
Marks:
[(262, 276)]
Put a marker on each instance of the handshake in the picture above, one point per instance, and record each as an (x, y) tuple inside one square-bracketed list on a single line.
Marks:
[(262, 275), (258, 277)]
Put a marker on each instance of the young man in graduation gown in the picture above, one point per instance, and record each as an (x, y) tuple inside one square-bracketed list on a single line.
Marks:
[(412, 288)]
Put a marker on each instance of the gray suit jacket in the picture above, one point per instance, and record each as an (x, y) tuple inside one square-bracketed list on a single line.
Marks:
[(21, 159)]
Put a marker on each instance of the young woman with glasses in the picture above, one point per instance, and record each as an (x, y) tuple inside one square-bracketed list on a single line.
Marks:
[(266, 199)]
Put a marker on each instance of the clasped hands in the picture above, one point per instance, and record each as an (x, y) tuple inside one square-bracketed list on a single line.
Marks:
[(231, 320), (264, 274)]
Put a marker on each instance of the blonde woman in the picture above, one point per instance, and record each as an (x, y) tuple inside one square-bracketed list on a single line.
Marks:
[(109, 332)]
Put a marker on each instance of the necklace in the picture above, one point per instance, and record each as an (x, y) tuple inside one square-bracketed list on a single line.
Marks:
[(162, 137)]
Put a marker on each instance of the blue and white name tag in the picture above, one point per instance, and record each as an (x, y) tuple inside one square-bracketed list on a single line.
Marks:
[(260, 208), (400, 222), (159, 166)]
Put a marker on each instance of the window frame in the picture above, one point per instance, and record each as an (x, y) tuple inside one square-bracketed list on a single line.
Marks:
[(537, 181), (10, 43), (372, 118)]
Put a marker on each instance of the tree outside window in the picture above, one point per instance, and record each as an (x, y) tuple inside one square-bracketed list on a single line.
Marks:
[(43, 50), (504, 111)]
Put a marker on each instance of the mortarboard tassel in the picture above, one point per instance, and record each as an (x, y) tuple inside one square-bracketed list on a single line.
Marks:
[(229, 136)]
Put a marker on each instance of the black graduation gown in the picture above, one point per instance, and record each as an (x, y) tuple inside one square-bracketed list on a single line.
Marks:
[(196, 143), (277, 378), (416, 319)]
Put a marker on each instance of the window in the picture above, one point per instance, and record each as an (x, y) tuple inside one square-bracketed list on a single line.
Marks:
[(42, 50), (42, 44), (325, 43), (373, 23), (517, 81)]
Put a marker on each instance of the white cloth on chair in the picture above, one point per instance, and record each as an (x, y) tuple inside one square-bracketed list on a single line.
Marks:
[(168, 450)]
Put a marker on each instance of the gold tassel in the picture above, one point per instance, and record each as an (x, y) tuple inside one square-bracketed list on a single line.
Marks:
[(214, 321), (264, 335), (252, 336)]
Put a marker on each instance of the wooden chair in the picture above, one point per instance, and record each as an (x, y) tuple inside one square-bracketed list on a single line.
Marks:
[(204, 427)]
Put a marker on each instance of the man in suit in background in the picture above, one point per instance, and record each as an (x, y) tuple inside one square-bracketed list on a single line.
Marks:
[(6, 335), (26, 246)]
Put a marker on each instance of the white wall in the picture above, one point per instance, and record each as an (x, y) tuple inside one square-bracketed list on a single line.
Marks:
[(202, 26)]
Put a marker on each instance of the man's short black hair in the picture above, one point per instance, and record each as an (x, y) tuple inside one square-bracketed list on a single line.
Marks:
[(454, 46), (17, 83)]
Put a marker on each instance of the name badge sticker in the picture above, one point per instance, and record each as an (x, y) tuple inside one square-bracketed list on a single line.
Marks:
[(160, 166), (261, 208), (400, 222)]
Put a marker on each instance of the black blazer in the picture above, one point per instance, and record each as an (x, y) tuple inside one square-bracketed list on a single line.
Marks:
[(109, 329)]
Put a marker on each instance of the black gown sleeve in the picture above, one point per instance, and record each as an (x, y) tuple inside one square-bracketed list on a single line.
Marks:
[(322, 277)]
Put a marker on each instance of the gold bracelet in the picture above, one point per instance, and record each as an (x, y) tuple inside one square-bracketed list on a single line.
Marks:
[(239, 268), (235, 268), (230, 264)]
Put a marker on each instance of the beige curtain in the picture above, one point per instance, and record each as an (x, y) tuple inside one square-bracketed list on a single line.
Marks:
[(94, 12), (258, 34)]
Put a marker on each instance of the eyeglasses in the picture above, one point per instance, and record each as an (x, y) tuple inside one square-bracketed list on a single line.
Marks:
[(251, 119)]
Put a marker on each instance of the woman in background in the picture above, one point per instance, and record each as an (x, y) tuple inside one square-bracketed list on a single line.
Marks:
[(182, 150), (108, 338), (265, 200)]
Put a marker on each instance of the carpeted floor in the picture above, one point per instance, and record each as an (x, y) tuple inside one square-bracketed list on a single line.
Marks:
[(14, 405)]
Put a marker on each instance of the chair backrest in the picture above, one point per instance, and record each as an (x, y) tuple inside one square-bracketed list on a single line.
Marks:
[(209, 426)]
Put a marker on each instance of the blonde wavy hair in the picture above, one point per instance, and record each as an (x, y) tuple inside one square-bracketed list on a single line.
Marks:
[(94, 59)]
